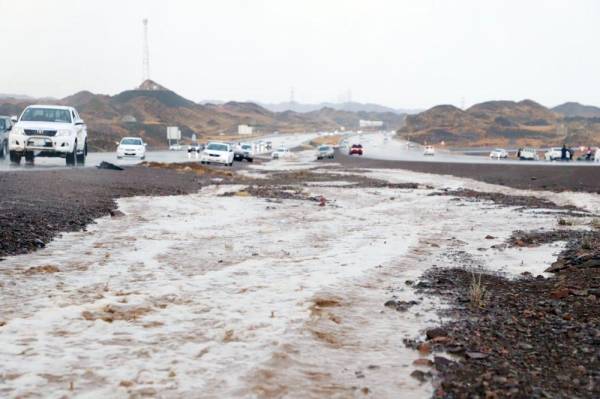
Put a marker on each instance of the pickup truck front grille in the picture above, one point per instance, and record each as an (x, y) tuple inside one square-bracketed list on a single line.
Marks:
[(48, 133)]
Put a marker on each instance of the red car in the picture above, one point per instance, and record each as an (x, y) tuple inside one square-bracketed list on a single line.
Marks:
[(356, 149)]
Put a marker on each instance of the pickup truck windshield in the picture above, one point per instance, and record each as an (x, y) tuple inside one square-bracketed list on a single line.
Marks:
[(131, 141), (217, 147), (46, 115)]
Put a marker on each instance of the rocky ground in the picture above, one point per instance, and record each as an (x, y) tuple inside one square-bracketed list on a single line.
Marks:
[(533, 337)]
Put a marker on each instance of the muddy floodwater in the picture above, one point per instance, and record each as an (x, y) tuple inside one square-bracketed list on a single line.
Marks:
[(206, 295)]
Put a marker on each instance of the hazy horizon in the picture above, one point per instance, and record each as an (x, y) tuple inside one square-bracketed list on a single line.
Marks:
[(400, 54)]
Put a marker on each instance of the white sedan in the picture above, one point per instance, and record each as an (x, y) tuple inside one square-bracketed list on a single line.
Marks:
[(218, 153), (131, 147), (281, 152), (429, 150), (499, 153)]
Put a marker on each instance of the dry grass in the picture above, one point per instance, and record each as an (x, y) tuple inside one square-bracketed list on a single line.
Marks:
[(477, 291), (328, 140)]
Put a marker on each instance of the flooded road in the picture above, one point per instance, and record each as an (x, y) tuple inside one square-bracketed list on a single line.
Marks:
[(210, 296)]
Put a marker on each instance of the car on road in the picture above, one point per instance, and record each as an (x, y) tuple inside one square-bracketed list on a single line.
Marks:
[(325, 151), (356, 149), (499, 153), (48, 131), (528, 154), (217, 152), (553, 154), (131, 147), (429, 150), (194, 150), (5, 128), (244, 151), (281, 152)]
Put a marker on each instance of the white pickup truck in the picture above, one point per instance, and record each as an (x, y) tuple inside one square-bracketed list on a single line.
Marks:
[(48, 131)]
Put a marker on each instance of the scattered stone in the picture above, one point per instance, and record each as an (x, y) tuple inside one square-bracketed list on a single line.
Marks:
[(108, 166)]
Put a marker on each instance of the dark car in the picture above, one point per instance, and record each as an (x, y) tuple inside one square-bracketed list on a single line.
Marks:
[(356, 149), (5, 127)]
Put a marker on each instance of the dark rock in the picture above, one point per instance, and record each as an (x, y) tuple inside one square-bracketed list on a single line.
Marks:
[(108, 166), (436, 332)]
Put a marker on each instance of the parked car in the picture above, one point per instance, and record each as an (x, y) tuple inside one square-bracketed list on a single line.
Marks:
[(325, 151), (281, 152), (553, 154), (217, 152), (48, 131), (499, 153), (528, 154), (131, 147), (429, 150), (5, 127), (356, 149), (244, 151)]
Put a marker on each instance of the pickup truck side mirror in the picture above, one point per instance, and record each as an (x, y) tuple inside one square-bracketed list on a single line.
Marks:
[(9, 128), (117, 143), (14, 119), (145, 144), (79, 122)]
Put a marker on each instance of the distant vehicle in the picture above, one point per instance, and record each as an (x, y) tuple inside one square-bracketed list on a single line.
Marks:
[(553, 154), (429, 150), (529, 154), (131, 147), (48, 131), (499, 153), (217, 152), (269, 145), (325, 151), (356, 149), (5, 127), (281, 152), (194, 150), (244, 151), (175, 147)]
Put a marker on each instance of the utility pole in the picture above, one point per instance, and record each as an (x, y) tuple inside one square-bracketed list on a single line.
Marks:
[(146, 54)]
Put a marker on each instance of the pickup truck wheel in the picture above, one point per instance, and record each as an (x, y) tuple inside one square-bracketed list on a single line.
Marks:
[(29, 157), (3, 150), (250, 159), (71, 157), (15, 158), (81, 157)]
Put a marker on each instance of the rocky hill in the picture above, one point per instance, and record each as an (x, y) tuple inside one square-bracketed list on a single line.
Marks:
[(147, 110), (574, 110), (500, 123)]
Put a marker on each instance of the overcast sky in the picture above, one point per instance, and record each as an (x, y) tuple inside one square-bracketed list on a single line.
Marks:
[(413, 54)]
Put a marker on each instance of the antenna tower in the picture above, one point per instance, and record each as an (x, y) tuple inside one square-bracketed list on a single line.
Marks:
[(146, 55)]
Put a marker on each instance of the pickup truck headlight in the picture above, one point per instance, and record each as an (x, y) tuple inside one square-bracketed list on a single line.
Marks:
[(64, 132), (18, 131)]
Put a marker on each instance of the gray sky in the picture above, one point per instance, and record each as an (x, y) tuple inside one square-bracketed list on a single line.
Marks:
[(399, 53)]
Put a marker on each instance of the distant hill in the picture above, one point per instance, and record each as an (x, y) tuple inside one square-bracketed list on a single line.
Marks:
[(572, 109), (500, 123), (148, 109), (345, 106)]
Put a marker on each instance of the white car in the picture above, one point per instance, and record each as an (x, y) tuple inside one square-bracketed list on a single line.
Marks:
[(217, 152), (48, 131), (281, 152), (529, 154), (553, 154), (499, 153), (244, 151), (131, 147), (429, 150), (325, 151)]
